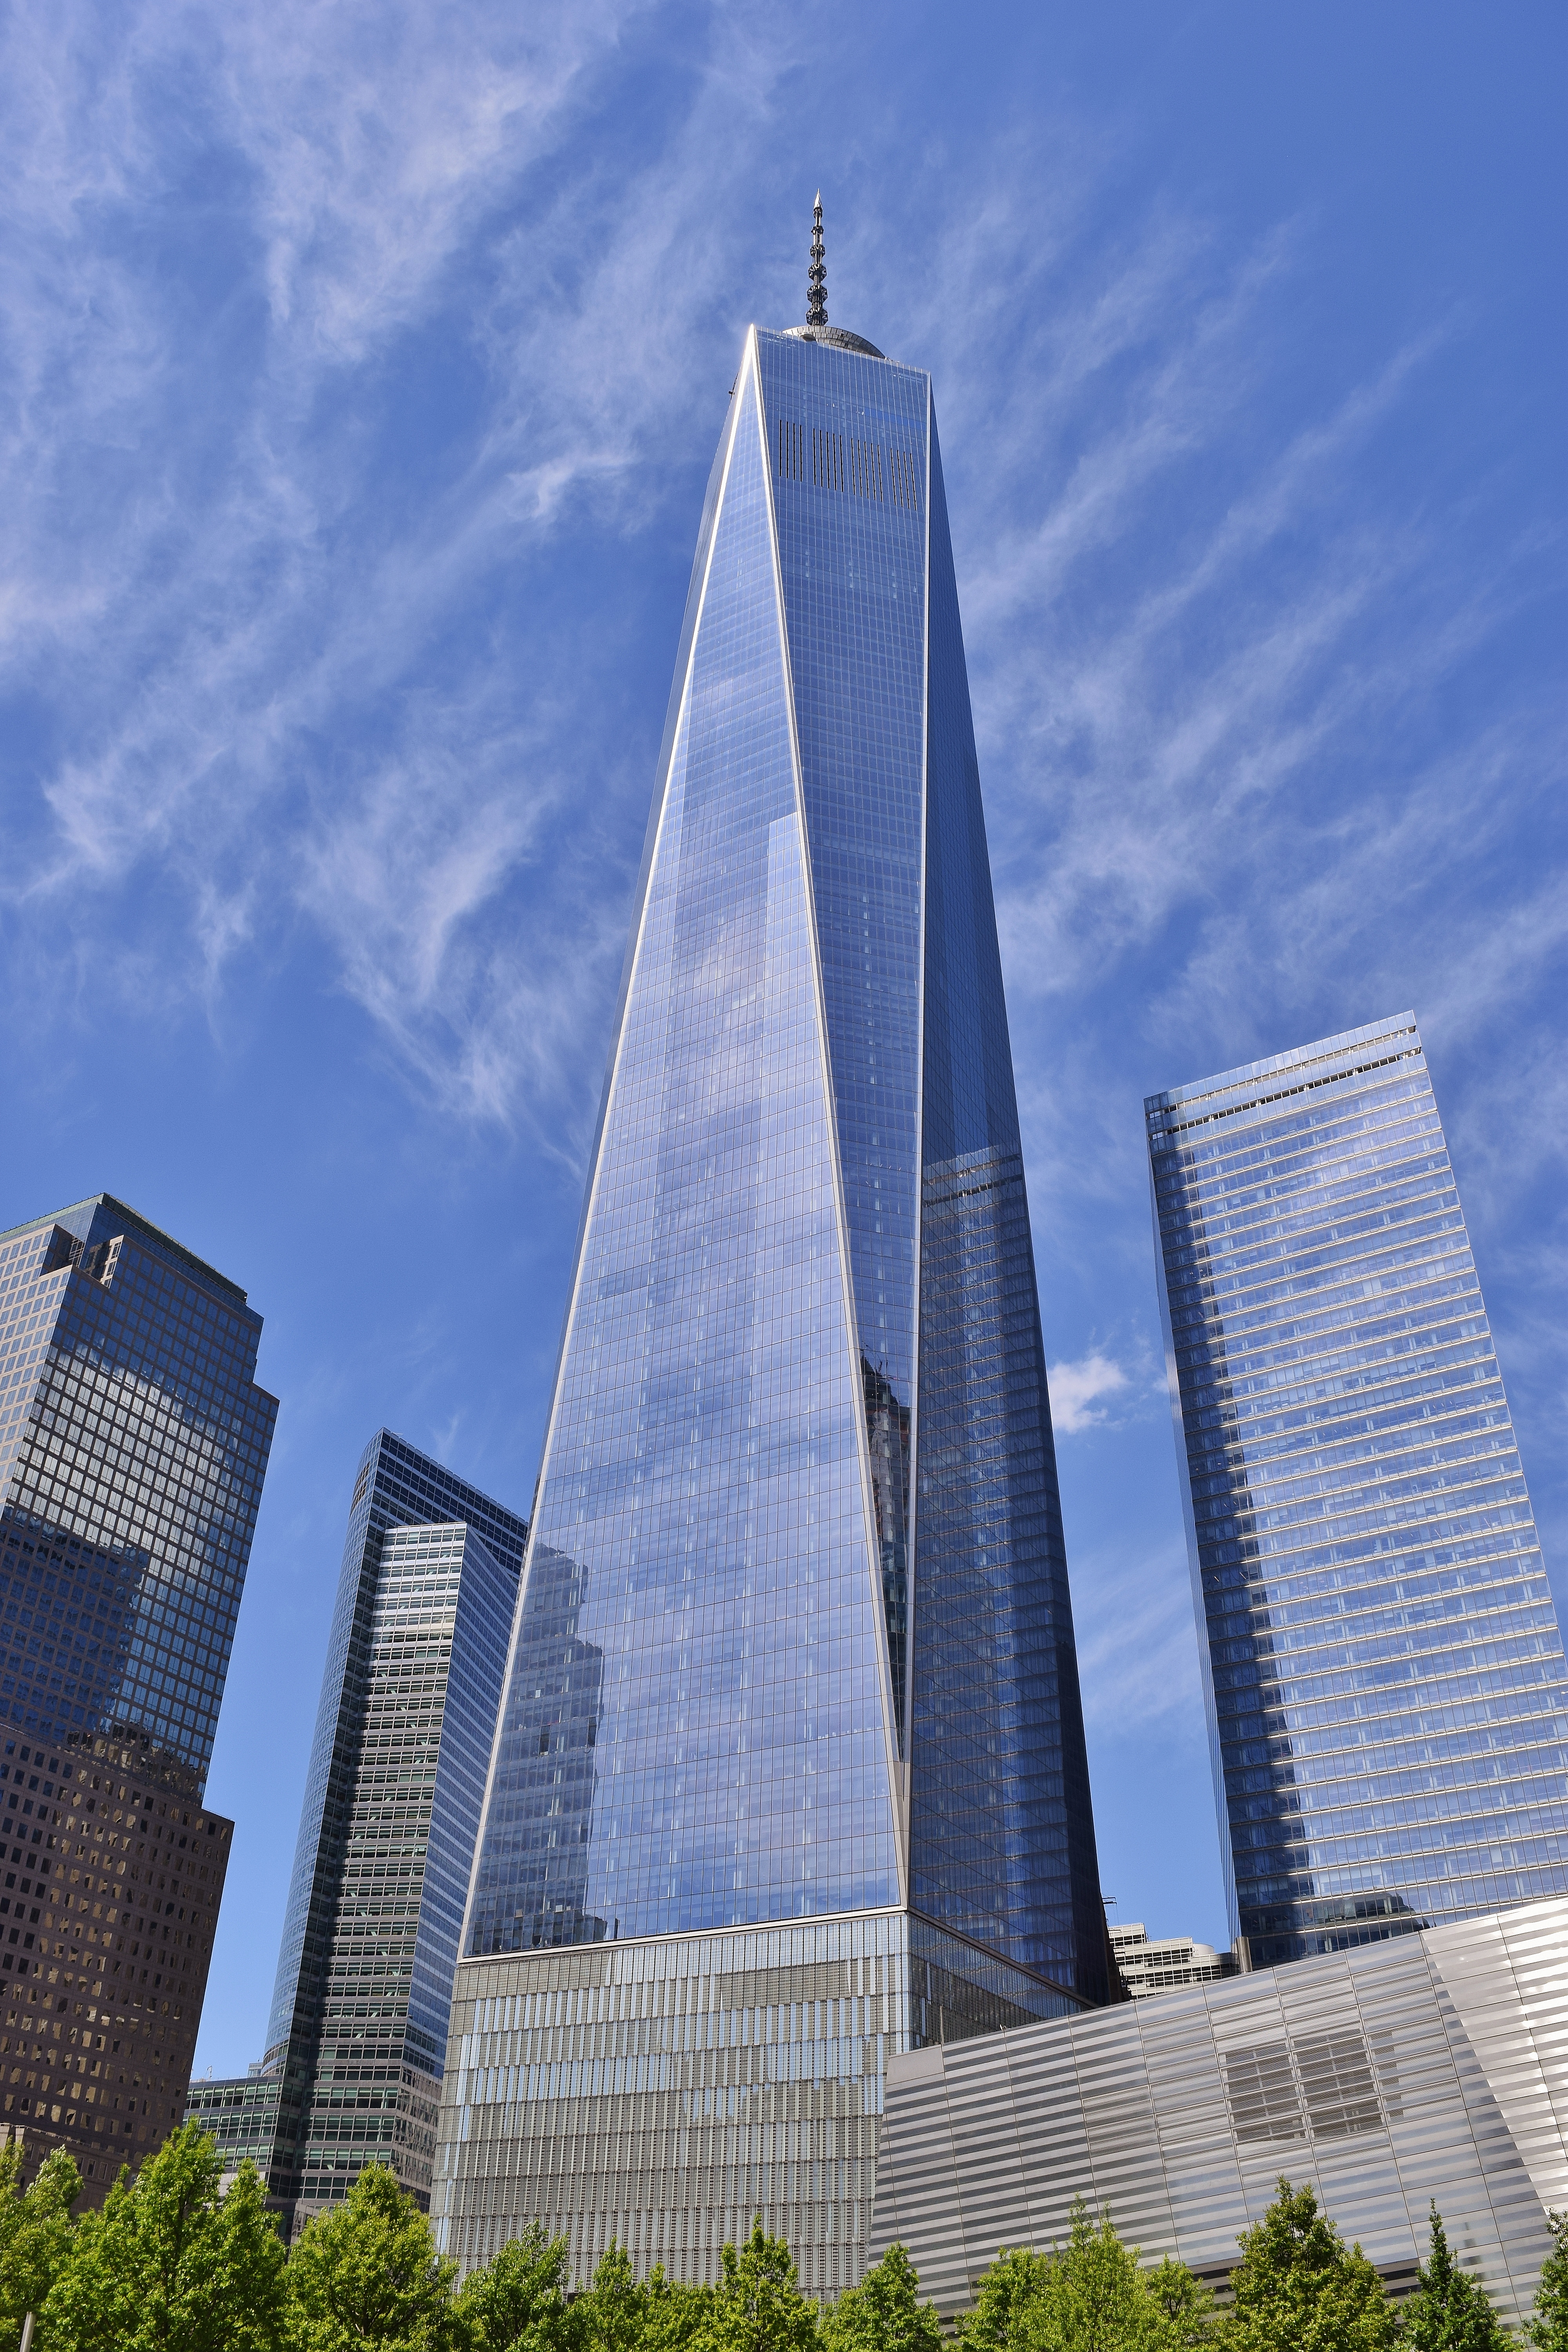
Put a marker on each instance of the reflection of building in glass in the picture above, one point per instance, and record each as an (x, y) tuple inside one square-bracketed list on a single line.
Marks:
[(1387, 1698), (811, 1608), (887, 1436), (1150, 1964), (543, 1794), (404, 1733), (133, 1442)]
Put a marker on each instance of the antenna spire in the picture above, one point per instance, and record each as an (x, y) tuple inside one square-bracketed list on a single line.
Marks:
[(816, 298)]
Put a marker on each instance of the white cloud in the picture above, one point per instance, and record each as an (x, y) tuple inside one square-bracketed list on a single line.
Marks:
[(1078, 1391)]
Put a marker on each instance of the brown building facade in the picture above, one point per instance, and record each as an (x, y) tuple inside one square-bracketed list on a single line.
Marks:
[(109, 1898)]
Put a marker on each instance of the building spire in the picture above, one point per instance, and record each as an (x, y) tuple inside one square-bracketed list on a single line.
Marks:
[(817, 300)]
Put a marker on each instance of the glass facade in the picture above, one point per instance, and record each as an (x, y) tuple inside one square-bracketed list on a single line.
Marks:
[(240, 2111), (1384, 1676), (404, 1732), (794, 1640), (133, 1442)]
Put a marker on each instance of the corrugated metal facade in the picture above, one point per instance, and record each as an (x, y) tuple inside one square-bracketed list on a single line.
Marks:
[(1430, 2067)]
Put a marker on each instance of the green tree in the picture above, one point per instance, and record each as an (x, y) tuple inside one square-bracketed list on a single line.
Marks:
[(1094, 2299), (1299, 2288), (884, 2312), (518, 2303), (614, 2310), (366, 2274), (1015, 2281), (1547, 2327), (170, 2265), (674, 2314), (757, 2305), (1090, 2296), (34, 2234), (1184, 2306), (1450, 2311)]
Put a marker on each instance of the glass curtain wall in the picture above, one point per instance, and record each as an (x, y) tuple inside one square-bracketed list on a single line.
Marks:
[(794, 1641), (1385, 1675)]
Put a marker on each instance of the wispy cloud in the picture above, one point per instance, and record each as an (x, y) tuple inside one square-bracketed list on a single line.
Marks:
[(1079, 1390), (1136, 1644), (332, 332), (298, 682)]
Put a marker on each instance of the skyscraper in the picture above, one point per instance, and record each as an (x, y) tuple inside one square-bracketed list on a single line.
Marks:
[(1384, 1673), (791, 1770), (404, 1731), (133, 1442)]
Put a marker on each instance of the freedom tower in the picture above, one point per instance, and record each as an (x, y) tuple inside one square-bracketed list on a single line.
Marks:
[(789, 1772)]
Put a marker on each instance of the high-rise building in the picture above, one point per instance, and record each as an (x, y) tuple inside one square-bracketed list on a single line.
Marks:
[(1151, 1964), (1383, 1670), (791, 1772), (133, 1442), (404, 1731)]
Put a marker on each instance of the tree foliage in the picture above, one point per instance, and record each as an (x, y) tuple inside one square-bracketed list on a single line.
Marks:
[(170, 2265), (519, 2302), (884, 2312), (34, 2233), (1450, 2311), (757, 2305), (1547, 2327), (366, 2274), (1088, 2295), (1299, 2288), (1014, 2282)]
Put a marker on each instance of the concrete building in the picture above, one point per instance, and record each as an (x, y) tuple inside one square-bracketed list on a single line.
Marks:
[(1165, 1963)]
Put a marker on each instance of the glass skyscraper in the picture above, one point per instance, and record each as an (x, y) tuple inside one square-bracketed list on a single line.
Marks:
[(791, 1769), (1382, 1669), (133, 1442), (404, 1731)]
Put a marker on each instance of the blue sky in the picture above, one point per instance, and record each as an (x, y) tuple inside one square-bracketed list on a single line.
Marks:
[(361, 367)]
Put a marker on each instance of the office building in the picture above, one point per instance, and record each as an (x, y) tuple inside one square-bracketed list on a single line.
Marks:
[(1383, 2077), (1150, 1964), (240, 2111), (1384, 1673), (407, 1715), (133, 1442), (791, 1769)]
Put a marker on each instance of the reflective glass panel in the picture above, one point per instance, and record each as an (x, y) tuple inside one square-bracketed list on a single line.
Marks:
[(848, 449), (693, 1730), (1002, 1833), (1384, 1675)]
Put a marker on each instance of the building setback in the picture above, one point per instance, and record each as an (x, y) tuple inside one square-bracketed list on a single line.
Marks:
[(1383, 2077), (1153, 1964), (1384, 1673), (404, 1731), (133, 1443), (791, 1769)]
